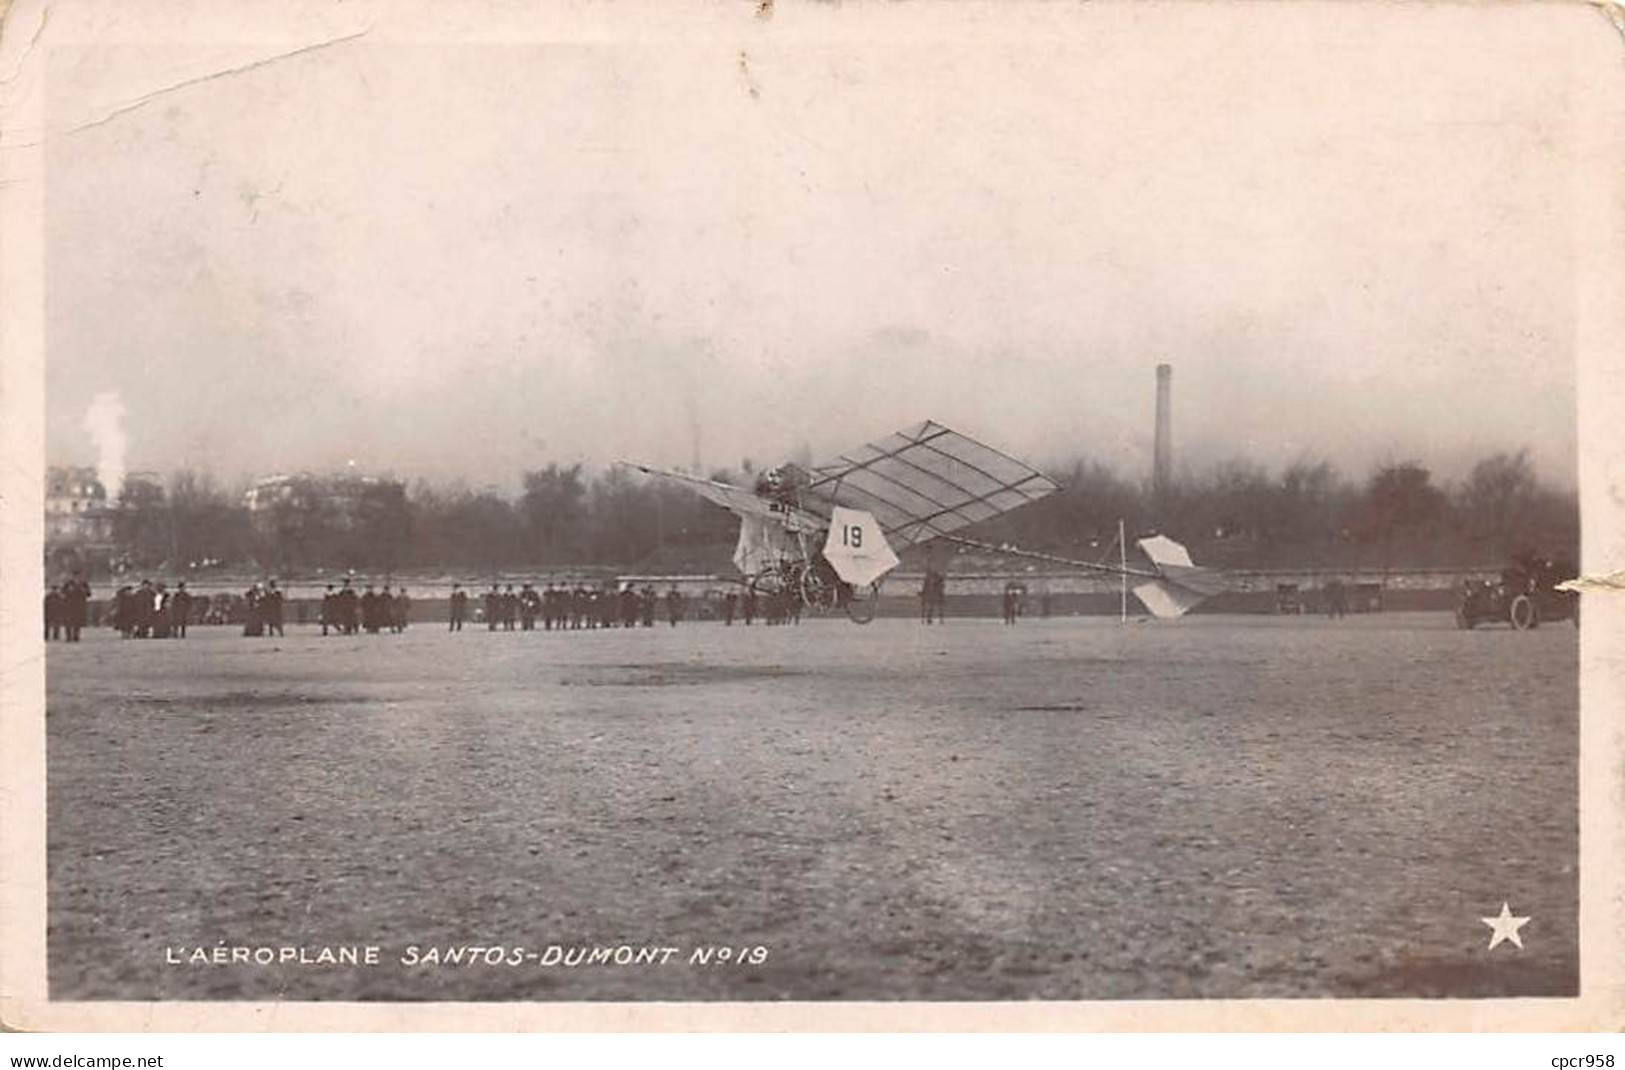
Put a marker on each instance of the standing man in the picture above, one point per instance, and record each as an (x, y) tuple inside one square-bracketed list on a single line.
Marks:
[(493, 607), (75, 607), (329, 614), (180, 610), (348, 606), (459, 607), (730, 602), (161, 609), (510, 608), (369, 610), (529, 603), (123, 610), (674, 605), (273, 608), (253, 612), (53, 613), (403, 610)]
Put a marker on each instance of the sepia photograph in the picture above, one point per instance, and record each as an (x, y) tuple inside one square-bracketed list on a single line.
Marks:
[(824, 504)]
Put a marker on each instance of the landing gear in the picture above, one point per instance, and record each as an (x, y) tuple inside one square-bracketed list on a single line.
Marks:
[(861, 602), (819, 586)]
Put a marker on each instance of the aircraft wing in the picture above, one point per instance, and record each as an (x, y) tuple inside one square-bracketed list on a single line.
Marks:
[(742, 502), (926, 481)]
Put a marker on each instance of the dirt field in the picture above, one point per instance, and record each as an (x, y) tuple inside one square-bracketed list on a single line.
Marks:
[(1065, 809)]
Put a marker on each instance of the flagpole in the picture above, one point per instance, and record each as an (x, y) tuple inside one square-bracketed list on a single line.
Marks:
[(1122, 556)]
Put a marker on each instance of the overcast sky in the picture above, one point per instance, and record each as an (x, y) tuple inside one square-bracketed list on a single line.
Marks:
[(463, 262)]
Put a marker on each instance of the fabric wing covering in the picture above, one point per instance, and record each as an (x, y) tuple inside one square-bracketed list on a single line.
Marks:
[(925, 481)]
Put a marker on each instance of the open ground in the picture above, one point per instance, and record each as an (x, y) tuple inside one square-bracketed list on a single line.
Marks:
[(1064, 809)]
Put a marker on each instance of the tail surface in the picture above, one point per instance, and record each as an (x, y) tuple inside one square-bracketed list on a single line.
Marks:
[(1180, 584)]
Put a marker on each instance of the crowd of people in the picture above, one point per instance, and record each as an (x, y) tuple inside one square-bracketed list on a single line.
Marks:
[(67, 608), (153, 610), (345, 612), (561, 607)]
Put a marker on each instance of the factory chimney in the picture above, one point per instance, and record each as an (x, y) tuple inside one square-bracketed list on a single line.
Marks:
[(1162, 461)]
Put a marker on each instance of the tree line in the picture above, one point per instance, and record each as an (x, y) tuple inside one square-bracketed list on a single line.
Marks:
[(1234, 514)]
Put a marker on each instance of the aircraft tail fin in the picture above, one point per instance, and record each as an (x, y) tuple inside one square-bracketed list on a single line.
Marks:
[(1180, 584)]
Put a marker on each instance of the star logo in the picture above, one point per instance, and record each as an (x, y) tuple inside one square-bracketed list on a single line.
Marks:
[(1505, 927)]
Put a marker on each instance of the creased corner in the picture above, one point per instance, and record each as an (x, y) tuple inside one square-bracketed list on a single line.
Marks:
[(1614, 12), (28, 49), (1609, 581)]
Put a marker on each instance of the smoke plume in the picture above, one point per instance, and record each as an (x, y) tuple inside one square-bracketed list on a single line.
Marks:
[(105, 422)]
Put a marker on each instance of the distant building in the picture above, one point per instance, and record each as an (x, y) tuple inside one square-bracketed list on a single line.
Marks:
[(79, 521), (76, 507), (341, 501)]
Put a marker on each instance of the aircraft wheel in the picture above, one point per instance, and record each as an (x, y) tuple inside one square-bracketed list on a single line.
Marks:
[(1523, 613), (815, 592), (860, 606)]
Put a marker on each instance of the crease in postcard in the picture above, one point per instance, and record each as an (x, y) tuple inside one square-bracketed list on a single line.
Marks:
[(147, 98)]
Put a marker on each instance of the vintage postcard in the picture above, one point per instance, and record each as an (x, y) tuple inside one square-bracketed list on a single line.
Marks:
[(804, 516)]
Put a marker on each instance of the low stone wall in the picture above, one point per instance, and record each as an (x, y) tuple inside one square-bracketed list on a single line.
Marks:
[(978, 594)]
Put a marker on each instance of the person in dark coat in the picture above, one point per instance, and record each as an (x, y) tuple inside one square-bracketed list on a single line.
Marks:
[(529, 604), (53, 613), (459, 608), (141, 610), (1337, 600), (386, 610), (629, 606), (369, 610), (749, 605), (161, 609), (674, 605), (75, 607), (124, 610), (330, 608), (273, 603), (403, 610), (253, 610), (180, 610), (493, 608), (510, 608), (730, 603), (349, 607)]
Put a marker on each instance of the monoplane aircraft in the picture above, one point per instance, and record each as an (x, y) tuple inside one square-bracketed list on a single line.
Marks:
[(830, 535)]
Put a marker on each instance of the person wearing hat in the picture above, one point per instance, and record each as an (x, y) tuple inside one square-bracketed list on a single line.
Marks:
[(180, 610), (459, 607), (273, 609)]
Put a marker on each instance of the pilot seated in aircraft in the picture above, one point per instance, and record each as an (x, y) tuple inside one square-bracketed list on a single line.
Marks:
[(782, 486)]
